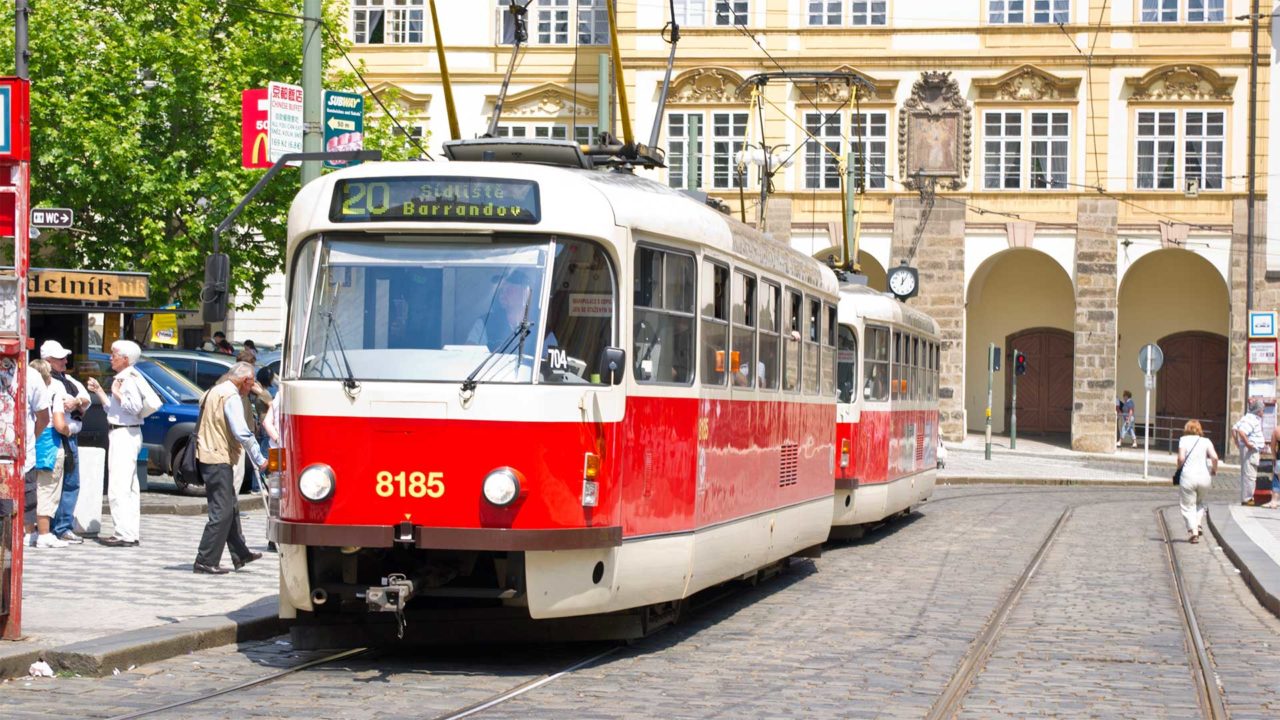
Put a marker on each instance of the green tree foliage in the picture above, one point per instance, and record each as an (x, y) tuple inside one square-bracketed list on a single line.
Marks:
[(136, 126)]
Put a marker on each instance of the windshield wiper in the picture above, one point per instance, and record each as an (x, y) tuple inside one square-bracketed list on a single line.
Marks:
[(518, 335), (349, 384)]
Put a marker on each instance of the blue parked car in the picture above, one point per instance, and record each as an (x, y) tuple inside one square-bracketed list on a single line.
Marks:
[(165, 430)]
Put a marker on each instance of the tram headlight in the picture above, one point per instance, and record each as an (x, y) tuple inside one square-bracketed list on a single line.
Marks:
[(502, 487), (316, 482)]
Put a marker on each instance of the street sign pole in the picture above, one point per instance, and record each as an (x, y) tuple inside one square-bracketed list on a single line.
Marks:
[(991, 372), (312, 85), (1146, 432), (1013, 409)]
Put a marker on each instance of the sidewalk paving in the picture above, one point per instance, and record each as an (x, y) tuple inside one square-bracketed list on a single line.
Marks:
[(92, 609), (1250, 536)]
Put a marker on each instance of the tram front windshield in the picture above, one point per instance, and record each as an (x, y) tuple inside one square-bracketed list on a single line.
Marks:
[(439, 311)]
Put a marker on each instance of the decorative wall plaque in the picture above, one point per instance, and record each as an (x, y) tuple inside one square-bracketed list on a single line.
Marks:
[(934, 134)]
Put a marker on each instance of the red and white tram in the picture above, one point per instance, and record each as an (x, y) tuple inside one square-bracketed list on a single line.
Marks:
[(887, 414), (549, 392)]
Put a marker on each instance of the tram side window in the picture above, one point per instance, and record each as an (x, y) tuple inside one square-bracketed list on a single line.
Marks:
[(715, 322), (917, 383), (829, 330), (742, 358), (791, 342), (580, 314), (846, 364), (933, 371), (769, 322), (876, 364), (812, 336), (663, 333), (899, 377)]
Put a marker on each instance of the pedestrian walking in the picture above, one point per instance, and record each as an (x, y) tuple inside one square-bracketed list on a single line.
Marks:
[(49, 459), (75, 398), (131, 400), (1199, 463), (221, 436), (1249, 439), (1125, 409)]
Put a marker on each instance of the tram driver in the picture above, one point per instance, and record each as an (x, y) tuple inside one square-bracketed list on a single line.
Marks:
[(511, 305)]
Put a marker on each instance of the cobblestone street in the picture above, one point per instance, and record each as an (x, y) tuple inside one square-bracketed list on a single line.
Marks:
[(873, 629)]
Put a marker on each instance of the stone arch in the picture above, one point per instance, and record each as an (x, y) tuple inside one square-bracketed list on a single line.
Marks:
[(877, 276), (1181, 82), (1027, 83), (1169, 294), (1012, 292)]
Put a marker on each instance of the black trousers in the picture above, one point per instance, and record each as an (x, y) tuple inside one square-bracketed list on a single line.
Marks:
[(223, 527)]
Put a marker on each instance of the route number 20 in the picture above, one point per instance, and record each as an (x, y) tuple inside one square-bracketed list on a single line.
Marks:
[(415, 484)]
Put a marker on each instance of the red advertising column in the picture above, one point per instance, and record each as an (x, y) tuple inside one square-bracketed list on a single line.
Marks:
[(15, 215)]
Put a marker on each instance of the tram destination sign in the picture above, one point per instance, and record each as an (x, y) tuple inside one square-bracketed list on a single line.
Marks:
[(436, 199)]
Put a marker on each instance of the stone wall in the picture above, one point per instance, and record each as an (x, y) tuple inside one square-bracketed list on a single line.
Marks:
[(1093, 425), (940, 260), (1266, 296)]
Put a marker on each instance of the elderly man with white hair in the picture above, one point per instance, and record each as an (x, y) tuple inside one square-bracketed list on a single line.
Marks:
[(221, 435), (131, 400), (1249, 439)]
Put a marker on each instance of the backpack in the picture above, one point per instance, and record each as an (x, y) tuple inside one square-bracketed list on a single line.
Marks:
[(150, 400)]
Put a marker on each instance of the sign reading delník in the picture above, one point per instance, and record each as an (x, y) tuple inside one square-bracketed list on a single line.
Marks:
[(87, 285)]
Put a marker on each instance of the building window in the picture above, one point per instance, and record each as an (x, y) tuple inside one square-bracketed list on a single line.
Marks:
[(1203, 147), (1007, 133), (1014, 12), (728, 137), (1002, 150), (698, 13), (822, 160), (1050, 138), (860, 12), (411, 131), (1192, 11), (593, 22), (869, 133), (550, 22), (1157, 149), (731, 12), (387, 22)]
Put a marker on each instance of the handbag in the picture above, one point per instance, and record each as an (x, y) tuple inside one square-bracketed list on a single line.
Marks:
[(1177, 474), (186, 466)]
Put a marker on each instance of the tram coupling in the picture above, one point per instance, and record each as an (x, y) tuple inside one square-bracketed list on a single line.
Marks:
[(392, 595)]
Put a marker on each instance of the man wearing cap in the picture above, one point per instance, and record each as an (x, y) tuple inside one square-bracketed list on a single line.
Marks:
[(497, 326), (75, 401), (131, 400)]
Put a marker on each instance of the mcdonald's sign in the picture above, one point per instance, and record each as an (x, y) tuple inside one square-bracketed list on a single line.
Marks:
[(253, 128)]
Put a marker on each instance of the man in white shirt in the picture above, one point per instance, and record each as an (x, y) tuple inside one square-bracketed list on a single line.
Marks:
[(1249, 439), (131, 400), (75, 401)]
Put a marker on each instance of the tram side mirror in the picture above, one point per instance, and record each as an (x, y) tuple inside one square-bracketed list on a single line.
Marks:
[(613, 363), (214, 293)]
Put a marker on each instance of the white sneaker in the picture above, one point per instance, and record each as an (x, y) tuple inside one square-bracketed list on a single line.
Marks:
[(47, 540), (71, 538)]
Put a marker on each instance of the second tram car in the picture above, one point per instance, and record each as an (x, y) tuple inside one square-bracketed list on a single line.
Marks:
[(545, 391), (887, 414)]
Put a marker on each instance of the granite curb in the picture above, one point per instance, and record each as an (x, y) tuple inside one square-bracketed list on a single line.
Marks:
[(1258, 570), (1023, 480), (103, 656)]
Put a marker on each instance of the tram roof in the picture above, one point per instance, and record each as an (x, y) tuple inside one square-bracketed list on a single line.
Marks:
[(647, 207), (859, 302)]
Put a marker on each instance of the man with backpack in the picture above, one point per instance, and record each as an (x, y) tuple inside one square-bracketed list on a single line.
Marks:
[(131, 400)]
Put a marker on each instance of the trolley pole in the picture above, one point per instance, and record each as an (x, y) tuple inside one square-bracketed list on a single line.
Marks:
[(1013, 410), (991, 371)]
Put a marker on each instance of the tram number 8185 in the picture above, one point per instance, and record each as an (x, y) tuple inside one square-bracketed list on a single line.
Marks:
[(415, 484)]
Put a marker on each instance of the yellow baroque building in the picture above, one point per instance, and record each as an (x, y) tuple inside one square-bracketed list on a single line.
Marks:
[(1080, 191)]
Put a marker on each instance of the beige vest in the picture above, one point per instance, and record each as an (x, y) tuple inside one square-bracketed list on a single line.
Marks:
[(215, 445)]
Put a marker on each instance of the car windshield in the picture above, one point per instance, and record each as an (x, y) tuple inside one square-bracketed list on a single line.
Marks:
[(434, 311), (166, 377)]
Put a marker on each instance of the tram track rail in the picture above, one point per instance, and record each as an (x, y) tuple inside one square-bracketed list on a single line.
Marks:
[(317, 662), (1208, 692), (948, 703)]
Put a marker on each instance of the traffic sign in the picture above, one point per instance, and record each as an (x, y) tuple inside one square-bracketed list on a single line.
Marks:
[(15, 119), (253, 128), (343, 124), (61, 218), (1262, 324), (1150, 358), (284, 120)]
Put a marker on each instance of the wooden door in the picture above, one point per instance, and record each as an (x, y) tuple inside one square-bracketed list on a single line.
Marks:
[(1192, 383), (1044, 392)]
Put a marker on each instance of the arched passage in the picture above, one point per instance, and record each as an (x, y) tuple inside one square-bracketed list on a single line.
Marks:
[(871, 267), (1179, 301), (1020, 295)]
